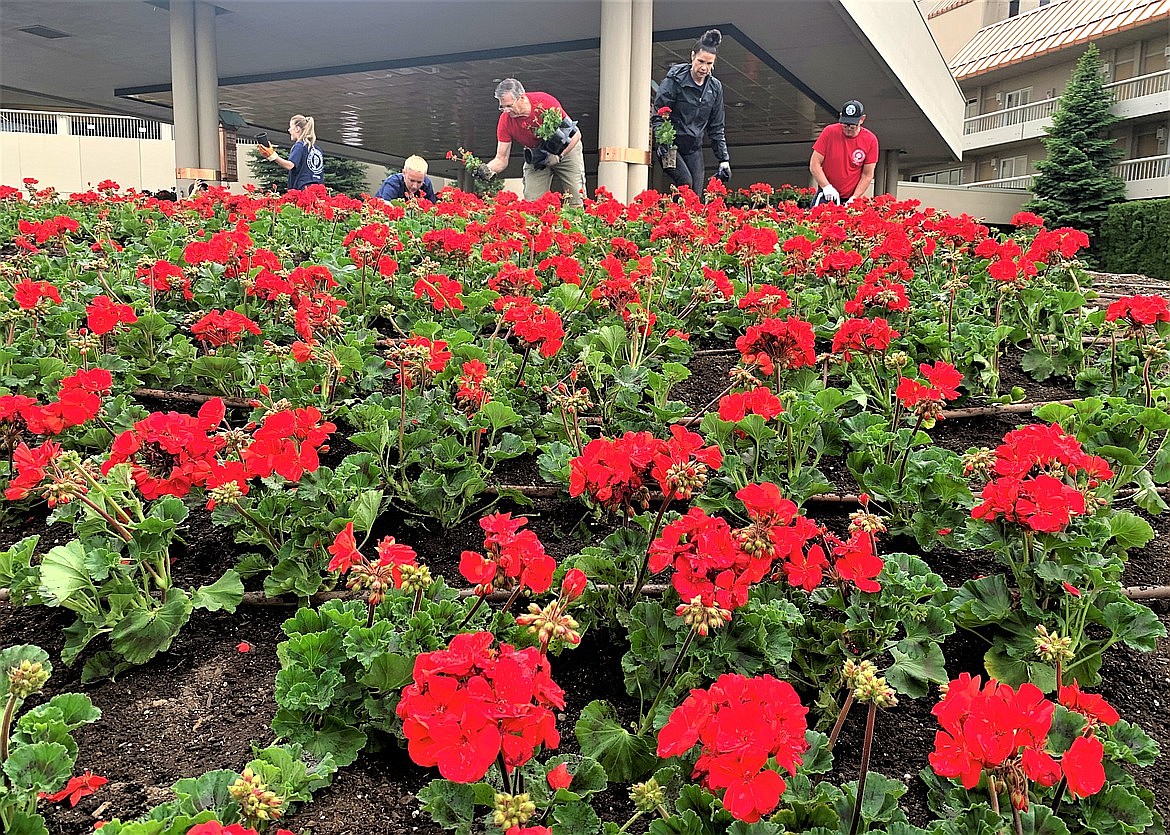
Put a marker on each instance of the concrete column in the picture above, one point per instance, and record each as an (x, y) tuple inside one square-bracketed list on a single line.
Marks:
[(183, 89), (641, 59), (885, 176), (207, 85), (613, 112)]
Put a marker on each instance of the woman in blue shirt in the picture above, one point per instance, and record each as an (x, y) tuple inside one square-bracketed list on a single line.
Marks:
[(305, 163)]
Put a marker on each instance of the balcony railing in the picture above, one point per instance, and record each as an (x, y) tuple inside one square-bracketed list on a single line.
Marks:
[(79, 124), (1144, 168), (1131, 170), (1152, 84)]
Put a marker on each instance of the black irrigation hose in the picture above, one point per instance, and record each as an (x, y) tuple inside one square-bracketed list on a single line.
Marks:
[(258, 598)]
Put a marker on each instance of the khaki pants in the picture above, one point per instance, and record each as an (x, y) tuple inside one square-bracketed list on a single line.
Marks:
[(568, 175)]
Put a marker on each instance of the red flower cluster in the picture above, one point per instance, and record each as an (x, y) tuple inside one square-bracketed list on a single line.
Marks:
[(778, 343), (941, 386), (877, 290), (217, 828), (994, 727), (103, 314), (534, 325), (514, 557), (614, 471), (287, 443), (471, 395), (390, 553), (217, 329), (742, 724), (471, 703), (1033, 466), (765, 300), (163, 277), (170, 453), (866, 336), (442, 290), (42, 231), (29, 293), (1139, 311), (855, 560), (719, 565), (759, 401)]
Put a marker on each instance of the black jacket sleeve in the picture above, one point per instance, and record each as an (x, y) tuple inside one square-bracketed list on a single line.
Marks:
[(665, 97), (715, 127)]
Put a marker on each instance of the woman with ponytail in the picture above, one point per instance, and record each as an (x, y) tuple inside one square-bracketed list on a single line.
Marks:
[(695, 100), (305, 163)]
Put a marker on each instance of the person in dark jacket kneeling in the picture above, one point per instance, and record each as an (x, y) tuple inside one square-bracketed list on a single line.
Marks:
[(411, 184)]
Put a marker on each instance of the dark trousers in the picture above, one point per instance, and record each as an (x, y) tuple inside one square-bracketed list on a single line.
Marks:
[(688, 171)]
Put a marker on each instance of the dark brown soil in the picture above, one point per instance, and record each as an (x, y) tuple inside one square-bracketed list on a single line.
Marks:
[(205, 704)]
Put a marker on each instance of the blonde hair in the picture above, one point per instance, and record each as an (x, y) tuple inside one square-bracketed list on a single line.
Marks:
[(415, 163), (307, 127)]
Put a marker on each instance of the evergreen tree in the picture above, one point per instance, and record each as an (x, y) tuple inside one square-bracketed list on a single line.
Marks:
[(1076, 185), (343, 175)]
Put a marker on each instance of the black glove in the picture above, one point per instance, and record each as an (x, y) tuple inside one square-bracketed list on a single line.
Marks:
[(482, 173), (536, 157)]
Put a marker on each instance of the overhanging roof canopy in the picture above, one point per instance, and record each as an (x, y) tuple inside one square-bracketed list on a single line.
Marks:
[(387, 79)]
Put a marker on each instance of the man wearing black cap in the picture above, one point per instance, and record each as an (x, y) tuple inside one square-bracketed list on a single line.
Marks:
[(844, 157)]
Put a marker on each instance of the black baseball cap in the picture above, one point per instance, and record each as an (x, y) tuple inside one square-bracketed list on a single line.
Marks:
[(851, 112)]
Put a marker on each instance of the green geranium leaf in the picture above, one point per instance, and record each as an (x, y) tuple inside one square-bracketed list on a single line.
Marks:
[(25, 824), (365, 508), (1130, 530), (1135, 624), (38, 767), (1039, 820), (64, 579), (917, 664), (208, 791), (144, 633), (1115, 809), (575, 818), (624, 757), (389, 672), (224, 595), (450, 805)]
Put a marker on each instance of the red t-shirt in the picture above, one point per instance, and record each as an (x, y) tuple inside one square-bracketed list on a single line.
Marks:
[(845, 157), (511, 129)]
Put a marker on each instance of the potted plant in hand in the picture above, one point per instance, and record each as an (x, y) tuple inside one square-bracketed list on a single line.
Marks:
[(664, 138), (555, 131)]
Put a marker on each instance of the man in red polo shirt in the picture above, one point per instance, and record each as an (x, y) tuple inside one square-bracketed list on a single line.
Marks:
[(844, 157), (520, 114)]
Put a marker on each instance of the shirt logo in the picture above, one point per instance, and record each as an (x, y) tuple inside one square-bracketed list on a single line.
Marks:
[(858, 156), (316, 161)]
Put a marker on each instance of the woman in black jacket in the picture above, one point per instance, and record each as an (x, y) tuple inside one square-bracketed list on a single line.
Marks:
[(695, 99)]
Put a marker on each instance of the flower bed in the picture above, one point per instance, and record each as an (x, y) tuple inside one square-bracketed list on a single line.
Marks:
[(376, 384)]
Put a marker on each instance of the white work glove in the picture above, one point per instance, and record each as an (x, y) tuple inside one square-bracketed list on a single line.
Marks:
[(831, 194), (724, 170), (850, 200), (551, 160)]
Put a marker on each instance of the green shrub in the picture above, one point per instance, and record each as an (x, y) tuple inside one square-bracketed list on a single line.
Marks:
[(1135, 238)]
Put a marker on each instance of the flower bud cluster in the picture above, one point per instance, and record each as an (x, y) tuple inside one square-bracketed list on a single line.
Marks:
[(1052, 646), (415, 578), (867, 686), (512, 810), (26, 678), (573, 401), (865, 522), (255, 799), (647, 796), (551, 622), (702, 618)]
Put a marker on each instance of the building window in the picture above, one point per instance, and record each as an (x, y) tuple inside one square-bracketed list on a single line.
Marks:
[(1016, 99), (950, 177), (1123, 62), (1013, 167), (972, 109)]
